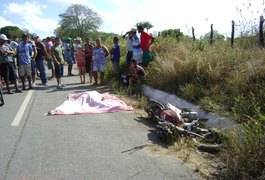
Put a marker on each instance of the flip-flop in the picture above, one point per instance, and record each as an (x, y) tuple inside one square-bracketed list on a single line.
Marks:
[(10, 92), (18, 91)]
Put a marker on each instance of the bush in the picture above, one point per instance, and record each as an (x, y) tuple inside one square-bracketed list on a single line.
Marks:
[(245, 151)]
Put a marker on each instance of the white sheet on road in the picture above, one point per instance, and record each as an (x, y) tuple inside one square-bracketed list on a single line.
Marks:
[(90, 102)]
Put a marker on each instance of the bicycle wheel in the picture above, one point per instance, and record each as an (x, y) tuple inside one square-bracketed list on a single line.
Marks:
[(1, 98)]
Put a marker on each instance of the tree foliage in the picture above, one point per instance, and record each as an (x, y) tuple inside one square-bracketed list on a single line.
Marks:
[(146, 24), (175, 33), (78, 20), (216, 36), (13, 31)]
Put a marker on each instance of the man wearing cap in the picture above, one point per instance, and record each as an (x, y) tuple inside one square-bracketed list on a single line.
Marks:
[(24, 53), (58, 60), (129, 46), (41, 54), (6, 64)]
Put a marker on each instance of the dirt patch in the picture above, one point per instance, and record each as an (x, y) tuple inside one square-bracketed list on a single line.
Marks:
[(204, 163)]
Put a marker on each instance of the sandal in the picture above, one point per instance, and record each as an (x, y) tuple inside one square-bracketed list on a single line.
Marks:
[(18, 91), (10, 92)]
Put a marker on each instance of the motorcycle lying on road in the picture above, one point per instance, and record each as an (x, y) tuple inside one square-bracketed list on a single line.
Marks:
[(173, 122)]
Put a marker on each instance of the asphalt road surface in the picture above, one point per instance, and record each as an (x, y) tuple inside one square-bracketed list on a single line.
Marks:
[(76, 147)]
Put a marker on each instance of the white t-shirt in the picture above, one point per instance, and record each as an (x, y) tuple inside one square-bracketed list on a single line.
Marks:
[(129, 45)]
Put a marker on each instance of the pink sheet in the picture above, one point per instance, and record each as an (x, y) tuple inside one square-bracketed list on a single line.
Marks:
[(90, 102)]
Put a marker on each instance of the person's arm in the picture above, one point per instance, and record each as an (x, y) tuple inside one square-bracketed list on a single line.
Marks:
[(34, 53), (54, 58), (152, 40), (125, 34), (106, 51), (17, 55)]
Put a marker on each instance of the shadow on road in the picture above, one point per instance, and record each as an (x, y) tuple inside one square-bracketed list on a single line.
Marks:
[(152, 135)]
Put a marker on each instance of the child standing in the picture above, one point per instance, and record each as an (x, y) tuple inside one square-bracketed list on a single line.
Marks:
[(80, 59)]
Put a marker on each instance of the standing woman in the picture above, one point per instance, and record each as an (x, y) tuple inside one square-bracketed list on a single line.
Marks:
[(100, 53), (89, 58)]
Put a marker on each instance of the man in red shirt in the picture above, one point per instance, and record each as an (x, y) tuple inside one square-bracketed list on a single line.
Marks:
[(145, 42)]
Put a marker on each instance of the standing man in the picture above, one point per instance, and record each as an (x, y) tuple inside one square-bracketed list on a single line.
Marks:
[(145, 42), (13, 44), (115, 56), (6, 65), (33, 62), (129, 45), (24, 53), (57, 56), (49, 56), (67, 50), (41, 54)]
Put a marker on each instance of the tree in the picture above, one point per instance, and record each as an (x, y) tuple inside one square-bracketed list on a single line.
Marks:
[(175, 33), (145, 24), (13, 31), (216, 36), (78, 20)]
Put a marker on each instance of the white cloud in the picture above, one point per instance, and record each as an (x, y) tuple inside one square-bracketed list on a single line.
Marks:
[(30, 16), (5, 22), (166, 14), (69, 2)]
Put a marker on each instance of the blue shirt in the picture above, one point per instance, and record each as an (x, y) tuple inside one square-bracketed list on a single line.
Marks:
[(67, 50), (24, 52), (115, 52)]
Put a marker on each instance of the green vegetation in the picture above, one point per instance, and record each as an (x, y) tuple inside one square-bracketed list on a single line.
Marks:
[(12, 30), (221, 79)]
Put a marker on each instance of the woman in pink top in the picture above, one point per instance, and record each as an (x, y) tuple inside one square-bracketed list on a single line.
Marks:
[(80, 59)]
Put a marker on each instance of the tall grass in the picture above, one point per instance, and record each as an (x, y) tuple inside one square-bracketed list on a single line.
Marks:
[(233, 79)]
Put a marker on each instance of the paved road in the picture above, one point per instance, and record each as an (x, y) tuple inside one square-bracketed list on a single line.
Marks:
[(76, 147)]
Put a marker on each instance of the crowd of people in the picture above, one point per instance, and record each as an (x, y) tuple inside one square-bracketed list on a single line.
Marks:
[(27, 58)]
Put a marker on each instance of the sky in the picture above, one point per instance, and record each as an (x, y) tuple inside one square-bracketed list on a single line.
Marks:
[(119, 16)]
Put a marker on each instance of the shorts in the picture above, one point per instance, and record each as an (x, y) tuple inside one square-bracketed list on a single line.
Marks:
[(50, 64), (33, 67), (59, 70), (25, 70), (8, 72), (80, 64), (99, 66), (147, 57)]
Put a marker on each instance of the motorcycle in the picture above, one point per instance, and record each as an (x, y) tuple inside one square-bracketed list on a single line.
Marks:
[(173, 122)]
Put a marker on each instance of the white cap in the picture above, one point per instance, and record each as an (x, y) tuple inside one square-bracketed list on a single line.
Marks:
[(3, 37), (79, 46), (78, 39), (133, 30)]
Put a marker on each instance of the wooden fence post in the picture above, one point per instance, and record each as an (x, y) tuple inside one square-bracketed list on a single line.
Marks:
[(211, 35), (261, 38), (232, 33), (193, 35)]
